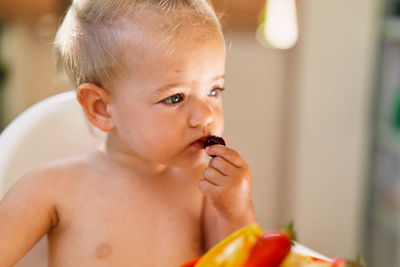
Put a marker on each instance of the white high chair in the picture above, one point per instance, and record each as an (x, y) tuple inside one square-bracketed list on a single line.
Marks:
[(53, 128)]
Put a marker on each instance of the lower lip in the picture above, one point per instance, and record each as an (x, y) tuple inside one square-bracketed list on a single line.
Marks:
[(198, 144)]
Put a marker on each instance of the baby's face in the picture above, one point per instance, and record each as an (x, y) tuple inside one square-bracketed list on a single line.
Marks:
[(168, 103)]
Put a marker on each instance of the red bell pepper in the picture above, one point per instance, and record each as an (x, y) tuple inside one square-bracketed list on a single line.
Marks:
[(191, 263), (269, 250)]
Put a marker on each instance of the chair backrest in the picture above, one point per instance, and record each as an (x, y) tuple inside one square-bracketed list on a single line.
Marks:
[(53, 128)]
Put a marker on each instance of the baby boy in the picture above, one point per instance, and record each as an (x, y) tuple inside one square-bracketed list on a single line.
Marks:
[(150, 74)]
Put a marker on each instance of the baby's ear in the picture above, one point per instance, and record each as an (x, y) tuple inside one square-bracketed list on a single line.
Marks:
[(95, 102)]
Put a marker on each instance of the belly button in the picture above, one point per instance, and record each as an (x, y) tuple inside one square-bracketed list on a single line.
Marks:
[(103, 251)]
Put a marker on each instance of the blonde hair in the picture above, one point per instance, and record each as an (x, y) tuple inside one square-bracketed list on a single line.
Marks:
[(90, 40)]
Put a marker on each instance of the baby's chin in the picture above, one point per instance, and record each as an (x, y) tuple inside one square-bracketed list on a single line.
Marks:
[(198, 160)]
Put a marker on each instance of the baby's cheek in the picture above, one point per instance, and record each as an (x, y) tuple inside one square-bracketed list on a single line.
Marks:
[(163, 143), (219, 124)]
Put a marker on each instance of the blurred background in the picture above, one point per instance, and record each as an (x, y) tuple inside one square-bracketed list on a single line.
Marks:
[(315, 111)]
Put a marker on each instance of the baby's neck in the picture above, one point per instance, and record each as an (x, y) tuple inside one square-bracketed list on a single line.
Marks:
[(131, 162)]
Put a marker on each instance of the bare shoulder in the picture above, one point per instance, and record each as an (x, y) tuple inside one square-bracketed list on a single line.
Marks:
[(30, 208), (56, 172), (50, 181)]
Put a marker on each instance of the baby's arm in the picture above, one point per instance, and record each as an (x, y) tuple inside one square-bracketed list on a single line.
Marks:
[(227, 189), (27, 212)]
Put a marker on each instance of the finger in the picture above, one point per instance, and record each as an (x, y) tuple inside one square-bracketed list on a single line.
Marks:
[(222, 165), (213, 176), (208, 188), (227, 153)]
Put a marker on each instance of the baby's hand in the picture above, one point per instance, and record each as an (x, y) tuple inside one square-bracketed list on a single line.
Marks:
[(227, 182)]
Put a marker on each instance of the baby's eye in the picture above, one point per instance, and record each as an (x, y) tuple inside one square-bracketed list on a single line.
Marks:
[(216, 91), (174, 99)]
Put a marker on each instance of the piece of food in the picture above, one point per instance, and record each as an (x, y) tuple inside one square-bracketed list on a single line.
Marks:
[(191, 263), (269, 250), (249, 247), (214, 140), (347, 263), (233, 250), (339, 263)]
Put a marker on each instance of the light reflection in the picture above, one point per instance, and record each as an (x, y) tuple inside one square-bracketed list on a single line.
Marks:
[(279, 26)]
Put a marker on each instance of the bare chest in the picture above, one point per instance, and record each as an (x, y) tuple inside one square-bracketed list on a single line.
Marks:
[(121, 225)]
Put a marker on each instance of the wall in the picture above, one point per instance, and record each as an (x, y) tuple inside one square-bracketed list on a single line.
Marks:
[(329, 128), (28, 54)]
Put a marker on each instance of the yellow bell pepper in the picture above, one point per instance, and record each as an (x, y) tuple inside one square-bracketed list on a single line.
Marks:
[(233, 250)]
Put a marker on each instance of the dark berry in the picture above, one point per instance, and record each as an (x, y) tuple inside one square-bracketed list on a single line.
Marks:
[(214, 140)]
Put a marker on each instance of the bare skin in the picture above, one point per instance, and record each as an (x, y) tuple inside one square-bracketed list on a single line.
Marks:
[(164, 210), (103, 215), (97, 213)]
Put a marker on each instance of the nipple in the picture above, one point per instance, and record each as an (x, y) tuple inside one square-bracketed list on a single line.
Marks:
[(103, 251)]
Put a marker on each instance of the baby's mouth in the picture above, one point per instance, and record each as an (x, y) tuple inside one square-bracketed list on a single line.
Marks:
[(214, 140), (199, 143)]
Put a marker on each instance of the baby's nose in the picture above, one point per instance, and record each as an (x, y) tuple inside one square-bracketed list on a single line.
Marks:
[(201, 115)]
